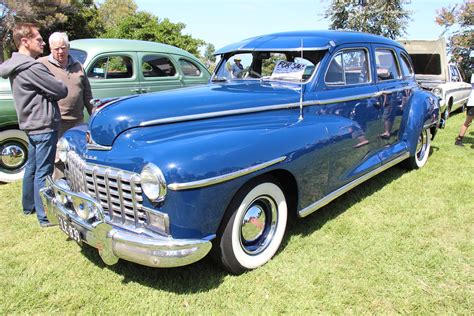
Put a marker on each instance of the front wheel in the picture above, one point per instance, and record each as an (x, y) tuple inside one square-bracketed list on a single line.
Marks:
[(253, 227), (422, 151), (13, 155)]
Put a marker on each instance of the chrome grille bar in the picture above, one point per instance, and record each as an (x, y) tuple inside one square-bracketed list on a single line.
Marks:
[(118, 191)]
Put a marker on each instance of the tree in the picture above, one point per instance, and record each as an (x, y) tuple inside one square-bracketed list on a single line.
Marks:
[(382, 17), (209, 59), (77, 17), (146, 26), (111, 12), (461, 41)]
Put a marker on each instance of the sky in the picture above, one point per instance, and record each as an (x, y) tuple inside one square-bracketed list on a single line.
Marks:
[(222, 22)]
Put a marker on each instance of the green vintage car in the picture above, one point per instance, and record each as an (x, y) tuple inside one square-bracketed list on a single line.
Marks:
[(115, 67)]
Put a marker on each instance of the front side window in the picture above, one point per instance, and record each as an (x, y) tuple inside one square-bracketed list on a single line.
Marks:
[(387, 68), (157, 66), (189, 69), (111, 67), (348, 67), (407, 69), (291, 66)]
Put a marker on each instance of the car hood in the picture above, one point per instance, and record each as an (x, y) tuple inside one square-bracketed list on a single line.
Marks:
[(186, 104)]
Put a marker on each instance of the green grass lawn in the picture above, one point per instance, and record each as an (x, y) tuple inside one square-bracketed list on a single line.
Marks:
[(400, 243)]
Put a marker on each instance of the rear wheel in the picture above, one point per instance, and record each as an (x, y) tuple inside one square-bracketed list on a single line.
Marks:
[(13, 155), (253, 227), (422, 151)]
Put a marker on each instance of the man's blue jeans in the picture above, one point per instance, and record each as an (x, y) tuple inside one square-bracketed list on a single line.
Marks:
[(40, 164)]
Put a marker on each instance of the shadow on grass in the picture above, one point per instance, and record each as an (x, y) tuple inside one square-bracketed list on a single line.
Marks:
[(315, 221), (203, 275)]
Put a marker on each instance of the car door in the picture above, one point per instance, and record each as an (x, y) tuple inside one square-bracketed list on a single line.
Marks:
[(459, 90), (114, 74), (394, 91), (352, 109), (158, 71), (192, 74)]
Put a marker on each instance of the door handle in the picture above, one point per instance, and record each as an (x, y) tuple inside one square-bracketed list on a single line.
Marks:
[(137, 90), (145, 90)]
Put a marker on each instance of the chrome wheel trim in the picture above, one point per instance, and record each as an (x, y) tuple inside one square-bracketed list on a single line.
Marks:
[(13, 155), (272, 236), (422, 145), (258, 225)]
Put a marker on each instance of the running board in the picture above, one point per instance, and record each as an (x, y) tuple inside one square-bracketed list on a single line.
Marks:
[(331, 196)]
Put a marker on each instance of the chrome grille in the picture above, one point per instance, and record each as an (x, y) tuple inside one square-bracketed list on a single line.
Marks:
[(118, 191)]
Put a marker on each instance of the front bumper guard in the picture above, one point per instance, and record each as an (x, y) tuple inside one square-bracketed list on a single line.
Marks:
[(114, 243)]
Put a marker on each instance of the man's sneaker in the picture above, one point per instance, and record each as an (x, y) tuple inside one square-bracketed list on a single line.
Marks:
[(47, 224), (458, 142)]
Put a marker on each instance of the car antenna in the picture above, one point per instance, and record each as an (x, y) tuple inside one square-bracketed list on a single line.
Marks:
[(301, 88)]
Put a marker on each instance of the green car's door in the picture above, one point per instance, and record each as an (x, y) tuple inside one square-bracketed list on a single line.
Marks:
[(114, 74), (158, 72)]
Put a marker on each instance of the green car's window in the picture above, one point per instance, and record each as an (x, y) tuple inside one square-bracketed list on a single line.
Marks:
[(189, 69), (157, 66), (112, 67)]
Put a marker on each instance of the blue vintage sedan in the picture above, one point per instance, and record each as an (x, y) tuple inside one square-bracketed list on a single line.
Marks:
[(288, 123)]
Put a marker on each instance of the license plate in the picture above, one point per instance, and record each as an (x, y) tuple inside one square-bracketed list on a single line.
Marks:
[(70, 230)]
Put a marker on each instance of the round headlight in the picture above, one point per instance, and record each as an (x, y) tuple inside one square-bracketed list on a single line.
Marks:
[(153, 182), (62, 149), (438, 92)]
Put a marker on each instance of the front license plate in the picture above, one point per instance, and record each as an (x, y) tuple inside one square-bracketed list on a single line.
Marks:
[(70, 230)]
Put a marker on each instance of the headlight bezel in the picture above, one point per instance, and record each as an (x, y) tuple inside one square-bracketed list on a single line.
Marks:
[(153, 182)]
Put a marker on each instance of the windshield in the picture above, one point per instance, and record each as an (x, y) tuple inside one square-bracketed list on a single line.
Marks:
[(278, 66), (79, 55)]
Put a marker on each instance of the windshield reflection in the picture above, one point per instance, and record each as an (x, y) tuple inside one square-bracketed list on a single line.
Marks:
[(268, 65)]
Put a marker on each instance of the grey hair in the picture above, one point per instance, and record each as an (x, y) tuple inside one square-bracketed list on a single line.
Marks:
[(59, 37)]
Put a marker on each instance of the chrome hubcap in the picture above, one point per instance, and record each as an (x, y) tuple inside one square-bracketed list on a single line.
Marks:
[(421, 145), (258, 225), (12, 156)]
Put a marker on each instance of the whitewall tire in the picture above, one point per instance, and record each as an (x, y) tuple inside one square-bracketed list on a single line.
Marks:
[(254, 226)]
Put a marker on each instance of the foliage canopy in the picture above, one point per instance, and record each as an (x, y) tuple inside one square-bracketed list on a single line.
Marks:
[(382, 17)]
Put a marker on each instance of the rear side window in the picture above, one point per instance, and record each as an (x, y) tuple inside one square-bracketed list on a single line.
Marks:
[(157, 66), (189, 69), (112, 67), (407, 70), (348, 67), (387, 68)]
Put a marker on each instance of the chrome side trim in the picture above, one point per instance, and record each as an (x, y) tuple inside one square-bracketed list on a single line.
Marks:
[(223, 178), (328, 198), (192, 117)]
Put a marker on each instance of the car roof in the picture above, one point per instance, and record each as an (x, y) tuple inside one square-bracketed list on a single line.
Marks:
[(309, 40), (94, 46)]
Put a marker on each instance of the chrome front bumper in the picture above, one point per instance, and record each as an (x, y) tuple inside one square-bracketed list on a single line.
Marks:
[(114, 243)]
